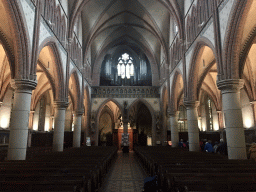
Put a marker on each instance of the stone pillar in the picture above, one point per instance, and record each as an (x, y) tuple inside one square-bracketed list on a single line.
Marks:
[(230, 90), (193, 131), (20, 118), (31, 118), (174, 129), (77, 128), (253, 104), (125, 125), (59, 124)]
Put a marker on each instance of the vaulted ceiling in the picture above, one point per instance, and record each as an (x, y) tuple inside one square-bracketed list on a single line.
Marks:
[(135, 25)]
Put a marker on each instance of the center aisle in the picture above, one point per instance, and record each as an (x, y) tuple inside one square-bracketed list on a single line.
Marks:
[(126, 175)]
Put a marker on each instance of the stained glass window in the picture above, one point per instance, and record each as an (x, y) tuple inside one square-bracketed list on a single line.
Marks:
[(128, 71), (125, 66)]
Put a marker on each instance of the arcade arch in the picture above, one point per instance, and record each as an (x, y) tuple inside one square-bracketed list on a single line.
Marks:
[(177, 113), (109, 124), (147, 126), (6, 92)]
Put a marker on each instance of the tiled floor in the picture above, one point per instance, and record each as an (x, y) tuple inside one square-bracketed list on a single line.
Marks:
[(126, 175)]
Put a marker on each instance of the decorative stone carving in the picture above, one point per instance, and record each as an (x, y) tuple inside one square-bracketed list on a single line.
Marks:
[(230, 85), (191, 104), (23, 84), (61, 104), (125, 92), (79, 112)]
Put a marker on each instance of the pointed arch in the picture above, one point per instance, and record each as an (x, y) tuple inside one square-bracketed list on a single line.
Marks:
[(19, 42), (134, 103), (174, 95), (76, 94), (232, 40), (194, 67), (58, 67), (105, 102)]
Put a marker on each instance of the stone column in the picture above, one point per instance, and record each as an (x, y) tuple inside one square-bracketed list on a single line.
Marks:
[(20, 118), (174, 129), (253, 104), (59, 125), (31, 118), (193, 131), (230, 90), (77, 128), (125, 125)]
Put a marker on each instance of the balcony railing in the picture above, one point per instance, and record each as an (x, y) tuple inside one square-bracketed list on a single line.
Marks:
[(126, 92)]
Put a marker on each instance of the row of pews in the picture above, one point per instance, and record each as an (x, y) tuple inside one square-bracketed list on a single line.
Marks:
[(31, 152), (74, 169), (180, 170)]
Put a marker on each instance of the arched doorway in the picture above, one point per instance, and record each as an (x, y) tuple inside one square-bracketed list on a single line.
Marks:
[(106, 126), (141, 122), (110, 125)]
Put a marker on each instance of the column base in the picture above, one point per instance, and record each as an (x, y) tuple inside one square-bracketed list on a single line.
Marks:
[(58, 148), (236, 153), (16, 154)]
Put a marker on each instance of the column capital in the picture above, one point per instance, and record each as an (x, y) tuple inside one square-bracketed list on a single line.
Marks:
[(79, 112), (23, 84), (61, 104), (230, 85), (191, 104), (173, 113), (32, 112), (219, 112)]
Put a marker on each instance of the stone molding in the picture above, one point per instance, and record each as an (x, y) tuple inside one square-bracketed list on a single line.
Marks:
[(191, 104), (125, 92), (23, 84), (78, 112), (60, 104), (173, 113), (230, 85)]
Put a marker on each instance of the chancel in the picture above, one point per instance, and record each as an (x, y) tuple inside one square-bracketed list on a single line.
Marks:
[(127, 95)]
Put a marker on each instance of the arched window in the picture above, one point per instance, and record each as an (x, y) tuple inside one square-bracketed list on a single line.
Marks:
[(125, 66)]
